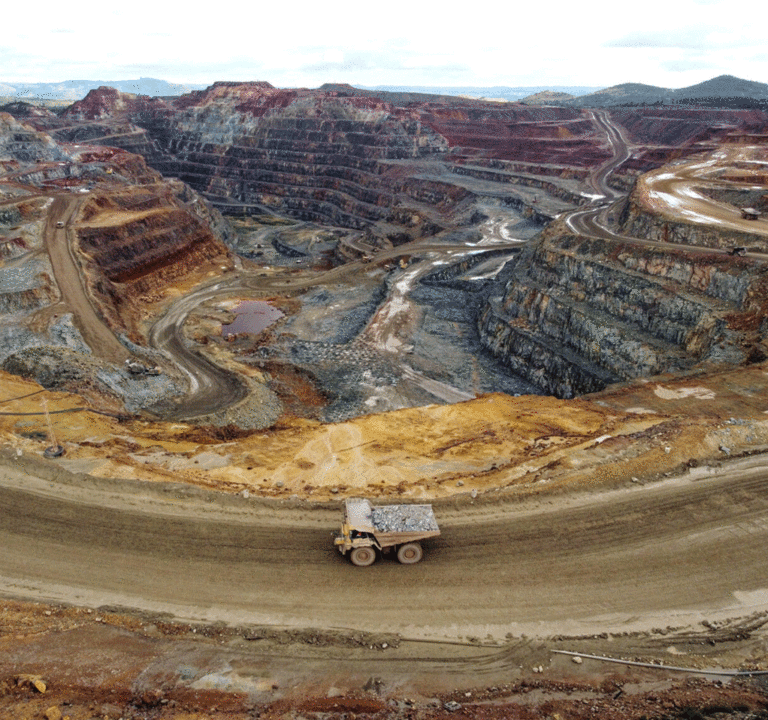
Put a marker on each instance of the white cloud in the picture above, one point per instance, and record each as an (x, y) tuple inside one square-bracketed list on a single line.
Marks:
[(309, 43)]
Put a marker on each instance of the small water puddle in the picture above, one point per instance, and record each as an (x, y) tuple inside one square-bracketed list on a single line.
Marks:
[(252, 316)]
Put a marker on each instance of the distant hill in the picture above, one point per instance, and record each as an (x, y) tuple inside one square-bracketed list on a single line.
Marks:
[(724, 86), (71, 90), (722, 91), (547, 97), (725, 91), (497, 92)]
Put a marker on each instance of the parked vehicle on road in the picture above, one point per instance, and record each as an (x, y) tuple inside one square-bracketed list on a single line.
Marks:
[(135, 367)]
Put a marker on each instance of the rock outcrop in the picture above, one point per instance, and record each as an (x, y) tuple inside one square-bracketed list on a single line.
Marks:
[(107, 102), (20, 143), (576, 314)]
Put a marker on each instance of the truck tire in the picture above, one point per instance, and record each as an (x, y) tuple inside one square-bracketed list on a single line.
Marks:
[(53, 451), (409, 553), (362, 556)]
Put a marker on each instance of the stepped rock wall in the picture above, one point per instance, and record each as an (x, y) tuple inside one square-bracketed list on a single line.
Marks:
[(512, 166), (338, 155), (671, 133), (138, 240), (666, 126), (127, 137), (143, 244), (136, 232), (20, 143), (323, 168), (528, 134), (575, 314), (638, 220), (551, 187)]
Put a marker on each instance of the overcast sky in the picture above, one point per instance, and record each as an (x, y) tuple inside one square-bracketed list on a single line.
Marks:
[(670, 43)]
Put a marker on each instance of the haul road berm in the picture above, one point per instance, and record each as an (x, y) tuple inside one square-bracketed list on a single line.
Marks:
[(366, 528)]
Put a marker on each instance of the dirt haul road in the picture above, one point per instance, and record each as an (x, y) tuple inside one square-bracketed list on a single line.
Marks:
[(70, 282), (653, 556)]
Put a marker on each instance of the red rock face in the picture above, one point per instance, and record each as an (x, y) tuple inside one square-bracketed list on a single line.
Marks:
[(516, 132), (673, 132), (108, 102)]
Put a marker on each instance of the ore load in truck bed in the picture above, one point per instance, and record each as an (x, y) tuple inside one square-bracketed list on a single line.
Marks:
[(404, 518), (366, 529)]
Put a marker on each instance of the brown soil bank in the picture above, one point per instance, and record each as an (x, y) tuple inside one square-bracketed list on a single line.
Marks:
[(528, 444), (160, 669)]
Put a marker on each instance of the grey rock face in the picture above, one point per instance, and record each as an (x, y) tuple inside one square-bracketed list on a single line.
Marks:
[(22, 143), (574, 315)]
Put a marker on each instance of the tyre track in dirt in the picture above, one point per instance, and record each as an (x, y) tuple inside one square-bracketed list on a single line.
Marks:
[(658, 555)]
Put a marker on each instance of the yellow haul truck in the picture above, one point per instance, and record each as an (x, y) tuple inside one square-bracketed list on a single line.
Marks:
[(367, 528)]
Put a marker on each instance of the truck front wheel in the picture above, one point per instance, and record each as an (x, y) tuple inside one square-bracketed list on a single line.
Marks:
[(362, 556), (409, 553)]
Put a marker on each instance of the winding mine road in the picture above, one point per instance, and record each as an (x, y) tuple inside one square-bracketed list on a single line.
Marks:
[(669, 554), (598, 178), (671, 191), (58, 241), (210, 387)]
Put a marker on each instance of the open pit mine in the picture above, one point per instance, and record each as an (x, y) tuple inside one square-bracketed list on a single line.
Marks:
[(224, 313)]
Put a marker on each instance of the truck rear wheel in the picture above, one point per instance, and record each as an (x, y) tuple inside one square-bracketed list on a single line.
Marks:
[(409, 553), (362, 556)]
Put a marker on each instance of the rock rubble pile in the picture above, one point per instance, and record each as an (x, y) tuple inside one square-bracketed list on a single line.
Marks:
[(404, 518)]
